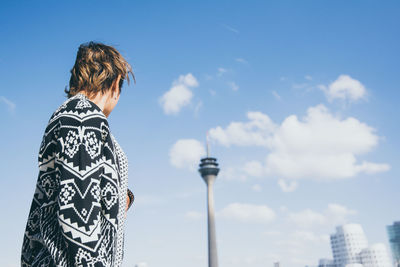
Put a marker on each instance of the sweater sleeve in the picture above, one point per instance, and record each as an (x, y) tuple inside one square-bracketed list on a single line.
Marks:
[(88, 193)]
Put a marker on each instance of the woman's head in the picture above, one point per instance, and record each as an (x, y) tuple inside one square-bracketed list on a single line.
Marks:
[(97, 69)]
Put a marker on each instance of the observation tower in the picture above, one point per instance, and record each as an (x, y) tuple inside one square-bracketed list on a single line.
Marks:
[(209, 171)]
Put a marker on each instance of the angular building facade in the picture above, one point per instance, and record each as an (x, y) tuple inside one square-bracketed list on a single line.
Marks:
[(350, 249), (375, 256), (394, 240), (347, 243)]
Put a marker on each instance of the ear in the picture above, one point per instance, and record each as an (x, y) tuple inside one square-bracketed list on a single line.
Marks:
[(115, 86)]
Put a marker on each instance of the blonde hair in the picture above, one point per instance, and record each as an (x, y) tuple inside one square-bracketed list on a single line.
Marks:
[(96, 68)]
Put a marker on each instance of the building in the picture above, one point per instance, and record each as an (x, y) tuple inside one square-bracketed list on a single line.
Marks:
[(347, 243), (375, 256), (326, 263), (350, 249), (394, 240)]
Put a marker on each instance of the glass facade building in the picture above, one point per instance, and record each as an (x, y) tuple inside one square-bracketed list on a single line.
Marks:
[(394, 240)]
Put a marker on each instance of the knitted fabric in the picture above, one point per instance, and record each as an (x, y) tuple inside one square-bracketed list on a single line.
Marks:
[(78, 208)]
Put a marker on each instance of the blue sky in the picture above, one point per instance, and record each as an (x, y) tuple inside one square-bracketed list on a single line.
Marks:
[(300, 99)]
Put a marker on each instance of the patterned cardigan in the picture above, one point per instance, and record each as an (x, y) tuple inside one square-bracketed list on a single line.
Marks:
[(78, 208)]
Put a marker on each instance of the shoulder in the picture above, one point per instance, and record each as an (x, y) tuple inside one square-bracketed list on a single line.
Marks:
[(78, 116), (79, 110), (79, 105)]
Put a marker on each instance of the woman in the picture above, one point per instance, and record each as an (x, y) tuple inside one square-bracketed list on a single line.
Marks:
[(81, 198)]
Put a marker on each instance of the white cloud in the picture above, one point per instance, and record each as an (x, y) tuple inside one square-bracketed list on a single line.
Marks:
[(233, 86), (276, 95), (188, 80), (221, 71), (230, 28), (243, 172), (333, 215), (306, 218), (253, 168), (320, 146), (247, 213), (241, 60), (212, 92), (283, 209), (287, 186), (256, 188), (179, 95), (141, 264), (338, 214), (10, 105), (254, 132), (370, 167), (198, 107), (232, 173), (346, 88), (308, 77), (186, 153)]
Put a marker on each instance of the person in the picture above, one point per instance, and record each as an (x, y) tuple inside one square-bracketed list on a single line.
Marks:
[(79, 205)]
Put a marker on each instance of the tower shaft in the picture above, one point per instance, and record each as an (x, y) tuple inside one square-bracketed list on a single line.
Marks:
[(212, 242)]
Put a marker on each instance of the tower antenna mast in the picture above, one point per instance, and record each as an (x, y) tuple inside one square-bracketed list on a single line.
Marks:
[(208, 145)]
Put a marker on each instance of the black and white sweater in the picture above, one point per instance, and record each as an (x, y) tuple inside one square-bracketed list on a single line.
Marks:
[(78, 208)]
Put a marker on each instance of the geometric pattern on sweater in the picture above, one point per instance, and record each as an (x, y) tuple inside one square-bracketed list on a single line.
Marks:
[(123, 170), (78, 207)]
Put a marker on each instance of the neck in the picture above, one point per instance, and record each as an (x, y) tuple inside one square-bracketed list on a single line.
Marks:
[(100, 100)]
